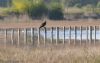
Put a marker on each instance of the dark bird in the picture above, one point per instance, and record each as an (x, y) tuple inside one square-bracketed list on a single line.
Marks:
[(43, 24)]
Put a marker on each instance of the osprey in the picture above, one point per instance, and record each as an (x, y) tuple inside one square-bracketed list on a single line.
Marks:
[(43, 24)]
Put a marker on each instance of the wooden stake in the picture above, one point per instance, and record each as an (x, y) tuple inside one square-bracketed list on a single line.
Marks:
[(18, 36), (38, 36), (32, 35), (75, 35), (5, 41), (94, 35), (90, 29), (12, 36), (64, 35), (81, 35), (69, 35), (25, 36), (87, 34), (51, 35), (45, 35), (57, 35)]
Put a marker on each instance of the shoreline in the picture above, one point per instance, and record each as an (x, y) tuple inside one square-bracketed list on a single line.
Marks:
[(36, 24)]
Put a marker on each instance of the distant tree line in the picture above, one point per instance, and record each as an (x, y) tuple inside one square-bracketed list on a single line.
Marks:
[(80, 3), (52, 9), (36, 9)]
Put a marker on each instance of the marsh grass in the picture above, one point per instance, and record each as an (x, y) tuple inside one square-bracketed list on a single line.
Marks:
[(54, 54)]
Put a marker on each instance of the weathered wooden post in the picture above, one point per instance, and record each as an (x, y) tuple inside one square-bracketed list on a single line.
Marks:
[(45, 35), (5, 40), (94, 35), (86, 34), (90, 29), (25, 36), (69, 35), (18, 36), (81, 35), (75, 29), (64, 35), (32, 35), (57, 35), (38, 36), (51, 34), (12, 36)]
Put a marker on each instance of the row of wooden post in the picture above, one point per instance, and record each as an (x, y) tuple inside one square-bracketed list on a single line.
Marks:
[(88, 40)]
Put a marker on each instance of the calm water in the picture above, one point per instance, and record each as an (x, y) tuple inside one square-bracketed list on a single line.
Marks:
[(61, 34)]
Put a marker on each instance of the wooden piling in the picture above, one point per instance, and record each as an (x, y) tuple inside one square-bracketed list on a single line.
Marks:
[(12, 36), (18, 36), (45, 35), (90, 30), (94, 35), (25, 36), (51, 35), (81, 35), (57, 35), (69, 35), (75, 29), (38, 36), (5, 40), (64, 35), (87, 34), (32, 35)]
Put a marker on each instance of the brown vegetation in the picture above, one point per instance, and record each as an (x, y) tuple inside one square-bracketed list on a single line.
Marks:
[(50, 55)]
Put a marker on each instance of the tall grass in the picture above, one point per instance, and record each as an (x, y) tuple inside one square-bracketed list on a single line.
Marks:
[(50, 55)]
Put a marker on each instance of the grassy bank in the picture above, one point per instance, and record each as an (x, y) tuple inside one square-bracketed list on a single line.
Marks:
[(50, 55)]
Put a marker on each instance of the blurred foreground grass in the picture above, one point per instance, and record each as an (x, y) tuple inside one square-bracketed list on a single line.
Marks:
[(50, 55)]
